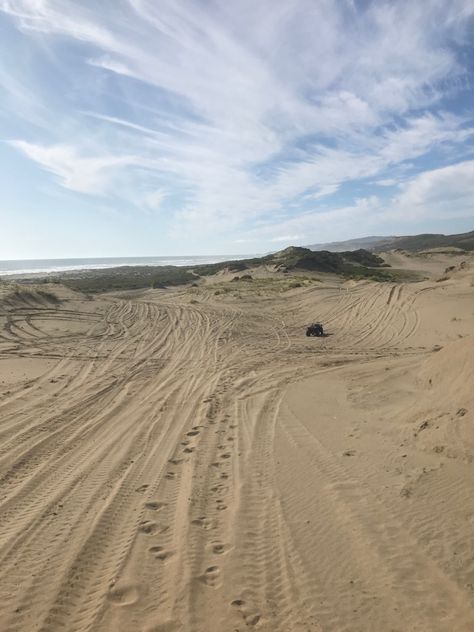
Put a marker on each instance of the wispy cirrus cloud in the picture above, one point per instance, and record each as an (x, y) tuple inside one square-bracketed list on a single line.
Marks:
[(238, 118), (84, 174), (446, 193)]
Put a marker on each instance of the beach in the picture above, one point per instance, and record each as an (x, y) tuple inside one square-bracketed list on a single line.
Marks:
[(188, 459)]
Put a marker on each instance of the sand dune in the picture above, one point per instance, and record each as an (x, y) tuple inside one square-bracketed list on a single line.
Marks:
[(191, 461)]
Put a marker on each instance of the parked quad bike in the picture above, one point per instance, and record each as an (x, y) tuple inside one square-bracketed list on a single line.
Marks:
[(316, 329)]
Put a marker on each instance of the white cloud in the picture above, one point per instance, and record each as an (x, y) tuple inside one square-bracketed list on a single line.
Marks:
[(58, 16), (443, 193), (327, 189), (318, 225), (84, 174), (388, 182), (258, 104), (154, 200), (421, 134), (438, 194), (286, 238)]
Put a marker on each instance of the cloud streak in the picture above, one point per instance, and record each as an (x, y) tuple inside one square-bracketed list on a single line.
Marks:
[(84, 174)]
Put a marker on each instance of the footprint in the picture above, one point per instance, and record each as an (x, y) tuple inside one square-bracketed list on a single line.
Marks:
[(203, 522), (188, 450), (210, 576), (154, 505), (212, 570), (218, 548), (227, 455), (148, 526), (124, 595), (142, 488), (237, 603), (170, 475), (160, 553), (164, 556), (252, 619), (192, 433)]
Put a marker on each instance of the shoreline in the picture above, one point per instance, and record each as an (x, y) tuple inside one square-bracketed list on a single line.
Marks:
[(108, 263)]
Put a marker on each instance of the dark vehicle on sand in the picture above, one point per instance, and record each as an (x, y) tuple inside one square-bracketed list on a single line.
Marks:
[(316, 329)]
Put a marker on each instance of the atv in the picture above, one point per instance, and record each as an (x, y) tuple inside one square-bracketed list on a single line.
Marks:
[(316, 329)]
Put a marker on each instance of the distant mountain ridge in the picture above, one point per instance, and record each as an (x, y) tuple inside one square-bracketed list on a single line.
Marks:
[(366, 243), (413, 243)]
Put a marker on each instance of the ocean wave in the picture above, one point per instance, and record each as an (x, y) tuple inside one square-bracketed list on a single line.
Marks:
[(56, 266)]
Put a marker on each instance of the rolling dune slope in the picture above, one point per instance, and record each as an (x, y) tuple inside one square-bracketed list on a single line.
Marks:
[(191, 461)]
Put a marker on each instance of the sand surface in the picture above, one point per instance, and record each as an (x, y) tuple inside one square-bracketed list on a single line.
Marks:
[(177, 460)]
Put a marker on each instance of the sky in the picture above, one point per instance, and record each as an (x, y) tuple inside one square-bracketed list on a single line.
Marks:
[(170, 127)]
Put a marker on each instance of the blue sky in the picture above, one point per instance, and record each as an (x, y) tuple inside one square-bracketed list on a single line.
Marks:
[(145, 127)]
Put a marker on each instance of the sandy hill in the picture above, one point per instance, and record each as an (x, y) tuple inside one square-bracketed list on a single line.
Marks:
[(186, 459)]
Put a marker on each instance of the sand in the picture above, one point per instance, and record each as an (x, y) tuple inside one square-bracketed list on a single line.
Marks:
[(186, 460)]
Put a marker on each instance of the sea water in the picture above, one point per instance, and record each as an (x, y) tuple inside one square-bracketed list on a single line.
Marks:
[(48, 266)]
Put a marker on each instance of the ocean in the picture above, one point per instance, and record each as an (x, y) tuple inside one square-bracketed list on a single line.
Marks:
[(49, 266)]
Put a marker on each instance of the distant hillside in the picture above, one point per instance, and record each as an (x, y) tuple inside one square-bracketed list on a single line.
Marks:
[(358, 263), (368, 243), (413, 243), (323, 261)]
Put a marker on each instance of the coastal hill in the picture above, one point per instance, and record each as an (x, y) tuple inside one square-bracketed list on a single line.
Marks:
[(298, 258), (412, 243), (294, 260)]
